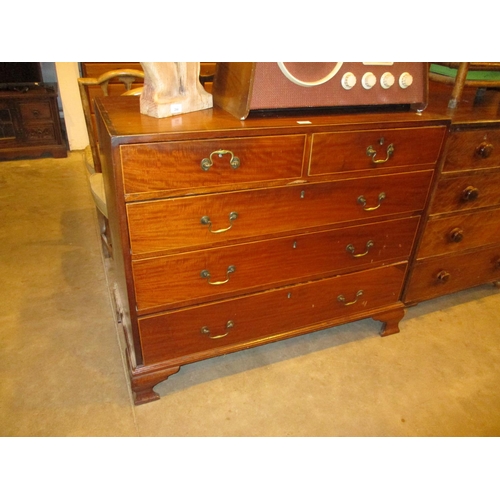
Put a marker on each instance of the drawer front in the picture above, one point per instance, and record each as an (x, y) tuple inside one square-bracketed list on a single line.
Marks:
[(243, 320), (39, 110), (348, 151), (447, 274), (224, 162), (40, 132), (460, 232), (176, 223), (182, 279), (466, 192), (472, 149)]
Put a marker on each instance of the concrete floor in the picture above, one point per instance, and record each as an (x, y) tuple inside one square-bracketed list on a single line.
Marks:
[(62, 370)]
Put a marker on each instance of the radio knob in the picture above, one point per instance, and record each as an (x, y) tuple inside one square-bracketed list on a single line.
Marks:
[(368, 80), (387, 80), (405, 80), (348, 81)]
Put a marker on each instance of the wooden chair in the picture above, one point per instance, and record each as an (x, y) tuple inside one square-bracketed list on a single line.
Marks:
[(106, 84), (460, 80)]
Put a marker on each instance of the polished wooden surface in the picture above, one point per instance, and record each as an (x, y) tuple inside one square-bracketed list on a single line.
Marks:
[(460, 246), (442, 275), (307, 230), (476, 107), (461, 232), (472, 149), (270, 315), (176, 280), (259, 159), (269, 212)]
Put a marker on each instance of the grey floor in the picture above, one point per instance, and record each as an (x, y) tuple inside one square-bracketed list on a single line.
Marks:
[(62, 369)]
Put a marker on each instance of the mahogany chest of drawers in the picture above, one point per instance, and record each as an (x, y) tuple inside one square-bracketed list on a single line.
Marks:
[(233, 234), (460, 244)]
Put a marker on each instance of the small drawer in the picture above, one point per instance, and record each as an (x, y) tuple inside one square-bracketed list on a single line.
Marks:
[(466, 192), (40, 132), (243, 320), (176, 223), (354, 151), (183, 279), (447, 274), (460, 232), (39, 110), (473, 149), (163, 167)]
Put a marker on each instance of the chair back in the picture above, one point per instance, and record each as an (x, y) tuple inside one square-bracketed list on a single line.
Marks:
[(119, 82)]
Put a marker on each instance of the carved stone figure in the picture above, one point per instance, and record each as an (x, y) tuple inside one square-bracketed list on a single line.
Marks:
[(173, 88)]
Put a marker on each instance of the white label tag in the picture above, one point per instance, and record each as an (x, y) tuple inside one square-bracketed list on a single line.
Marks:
[(176, 108)]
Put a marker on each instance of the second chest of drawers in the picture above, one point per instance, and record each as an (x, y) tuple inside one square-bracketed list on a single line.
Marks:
[(460, 246)]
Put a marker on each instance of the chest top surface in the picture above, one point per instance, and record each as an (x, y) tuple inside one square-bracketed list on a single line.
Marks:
[(124, 122)]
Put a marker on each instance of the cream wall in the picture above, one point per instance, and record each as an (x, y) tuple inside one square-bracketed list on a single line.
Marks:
[(67, 76)]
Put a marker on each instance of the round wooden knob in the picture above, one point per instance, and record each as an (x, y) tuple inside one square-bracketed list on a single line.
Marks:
[(470, 193), (457, 235), (443, 276), (484, 149)]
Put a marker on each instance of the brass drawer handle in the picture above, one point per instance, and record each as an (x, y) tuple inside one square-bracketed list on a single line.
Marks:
[(470, 193), (350, 249), (341, 298), (362, 202), (205, 220), (457, 235), (206, 163), (484, 149), (443, 276), (206, 331), (371, 152), (205, 274)]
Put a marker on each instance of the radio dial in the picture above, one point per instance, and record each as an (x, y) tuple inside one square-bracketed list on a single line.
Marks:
[(405, 80), (387, 80), (368, 80), (348, 81)]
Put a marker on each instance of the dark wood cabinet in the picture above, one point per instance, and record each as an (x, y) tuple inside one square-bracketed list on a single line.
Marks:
[(29, 122), (231, 234)]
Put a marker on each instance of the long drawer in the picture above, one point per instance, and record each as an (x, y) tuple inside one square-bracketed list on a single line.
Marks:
[(242, 320), (180, 279), (216, 219), (347, 151), (438, 276), (467, 192), (160, 167), (460, 232), (473, 149)]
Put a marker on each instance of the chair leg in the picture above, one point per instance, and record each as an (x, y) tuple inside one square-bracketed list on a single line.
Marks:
[(458, 88), (107, 246)]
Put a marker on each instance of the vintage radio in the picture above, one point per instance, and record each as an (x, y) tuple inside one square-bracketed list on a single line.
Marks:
[(243, 87)]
